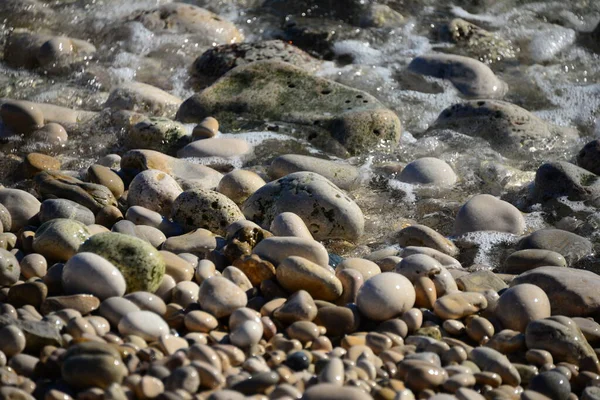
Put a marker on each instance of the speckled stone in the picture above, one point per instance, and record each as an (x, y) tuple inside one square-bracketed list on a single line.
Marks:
[(199, 208), (385, 296), (59, 239), (240, 184), (141, 264), (154, 190)]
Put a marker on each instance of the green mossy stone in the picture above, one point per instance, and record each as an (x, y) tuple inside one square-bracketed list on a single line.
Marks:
[(140, 263)]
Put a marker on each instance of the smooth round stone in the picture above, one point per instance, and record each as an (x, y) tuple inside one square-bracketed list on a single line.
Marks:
[(51, 133), (571, 246), (105, 176), (588, 157), (34, 266), (206, 129), (300, 306), (37, 162), (150, 234), (484, 212), (177, 267), (220, 297), (5, 219), (330, 391), (289, 224), (367, 268), (327, 211), (145, 324), (275, 249), (247, 334), (157, 133), (216, 147), (424, 236), (552, 384), (524, 260), (255, 268), (21, 117), (459, 304), (342, 175), (200, 321), (12, 340), (385, 296), (63, 208), (200, 208), (148, 302), (154, 190), (9, 268), (142, 216), (491, 360), (115, 308), (140, 263), (21, 205), (92, 364), (185, 293), (416, 266), (591, 393), (297, 273), (521, 304), (428, 171), (54, 49), (240, 184), (59, 239), (332, 372)]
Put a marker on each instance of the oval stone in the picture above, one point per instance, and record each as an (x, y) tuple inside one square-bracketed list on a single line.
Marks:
[(385, 296), (145, 324), (90, 273), (220, 297), (59, 239), (297, 273), (484, 212)]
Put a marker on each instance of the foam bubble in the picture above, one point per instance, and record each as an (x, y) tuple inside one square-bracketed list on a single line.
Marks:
[(361, 52), (407, 188), (547, 44)]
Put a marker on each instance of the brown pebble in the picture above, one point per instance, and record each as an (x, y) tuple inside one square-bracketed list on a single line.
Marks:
[(206, 129), (459, 304), (479, 329), (37, 162), (84, 303), (425, 291)]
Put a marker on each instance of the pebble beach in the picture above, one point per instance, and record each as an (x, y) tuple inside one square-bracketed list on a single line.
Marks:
[(308, 199)]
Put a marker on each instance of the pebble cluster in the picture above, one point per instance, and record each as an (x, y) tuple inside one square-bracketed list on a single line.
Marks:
[(164, 270)]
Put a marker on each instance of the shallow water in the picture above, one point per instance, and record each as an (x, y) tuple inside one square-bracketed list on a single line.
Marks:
[(549, 64)]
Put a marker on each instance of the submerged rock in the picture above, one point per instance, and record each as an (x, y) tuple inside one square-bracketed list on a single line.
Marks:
[(279, 92)]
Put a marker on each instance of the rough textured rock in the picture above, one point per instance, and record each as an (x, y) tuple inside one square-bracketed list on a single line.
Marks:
[(572, 292), (509, 128), (326, 210), (278, 91)]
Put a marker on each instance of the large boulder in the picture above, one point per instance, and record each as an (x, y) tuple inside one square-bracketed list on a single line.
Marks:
[(280, 92)]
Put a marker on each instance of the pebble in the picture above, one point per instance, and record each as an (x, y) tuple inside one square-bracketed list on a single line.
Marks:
[(385, 296), (154, 190), (36, 162), (145, 324), (157, 133), (21, 117), (21, 206), (552, 384), (60, 238), (484, 212), (9, 268), (366, 268), (83, 303), (342, 175), (458, 305), (326, 210), (300, 306), (34, 266), (206, 129), (330, 391), (423, 236), (240, 184), (247, 334), (220, 297), (216, 147), (571, 246), (105, 176), (141, 264), (587, 157), (115, 308), (428, 171), (63, 208), (276, 249), (295, 273), (524, 260), (521, 304), (143, 216), (92, 364), (256, 269), (290, 224), (491, 360), (12, 340), (143, 98), (199, 242), (207, 209), (51, 133)]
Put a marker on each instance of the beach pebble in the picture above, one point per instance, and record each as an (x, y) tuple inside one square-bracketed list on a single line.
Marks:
[(385, 296), (206, 129), (200, 321), (343, 176), (588, 157), (458, 305), (51, 133), (142, 216), (36, 162), (471, 77), (220, 297), (490, 360), (154, 190), (59, 239), (140, 263), (300, 306), (560, 178), (216, 147), (295, 273), (428, 171), (521, 304), (552, 384), (289, 224), (546, 44), (9, 268), (21, 117), (424, 236), (92, 364), (145, 324), (331, 391), (12, 340), (247, 334), (34, 266), (157, 133), (327, 211), (21, 205), (275, 249), (92, 274), (5, 219), (143, 98), (115, 308), (200, 208), (63, 208), (484, 212), (366, 268), (524, 260), (107, 177), (240, 184), (571, 246)]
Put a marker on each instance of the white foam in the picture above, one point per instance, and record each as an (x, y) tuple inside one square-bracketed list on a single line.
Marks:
[(489, 19), (487, 243), (548, 43), (361, 52), (407, 188)]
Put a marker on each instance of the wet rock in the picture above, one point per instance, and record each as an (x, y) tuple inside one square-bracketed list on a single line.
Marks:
[(546, 44), (143, 98), (52, 184), (199, 208), (157, 133), (588, 157), (141, 264), (522, 304), (559, 178), (471, 77), (570, 291), (424, 236), (36, 162), (63, 208), (326, 210), (216, 61), (216, 147), (92, 274), (510, 129), (571, 246), (59, 239), (342, 175), (428, 171), (297, 273), (324, 106), (484, 212), (524, 260)]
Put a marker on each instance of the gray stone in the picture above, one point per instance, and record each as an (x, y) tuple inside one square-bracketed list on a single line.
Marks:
[(269, 90), (143, 98), (510, 129), (157, 133), (21, 207), (490, 360), (484, 212), (571, 246), (589, 156), (9, 268), (342, 175), (63, 208), (560, 178), (524, 260), (327, 211), (428, 171)]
